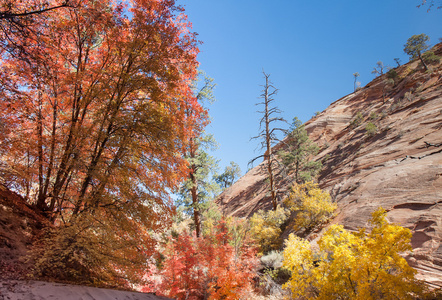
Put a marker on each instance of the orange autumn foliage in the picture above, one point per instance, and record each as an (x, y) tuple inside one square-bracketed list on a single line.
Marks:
[(94, 116), (205, 267), (97, 106)]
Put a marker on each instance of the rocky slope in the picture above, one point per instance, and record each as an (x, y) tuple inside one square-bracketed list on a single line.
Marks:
[(398, 167), (20, 225)]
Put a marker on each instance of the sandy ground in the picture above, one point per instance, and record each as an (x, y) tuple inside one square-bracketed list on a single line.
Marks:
[(38, 290)]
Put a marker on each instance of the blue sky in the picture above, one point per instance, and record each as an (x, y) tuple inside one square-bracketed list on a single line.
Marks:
[(310, 48)]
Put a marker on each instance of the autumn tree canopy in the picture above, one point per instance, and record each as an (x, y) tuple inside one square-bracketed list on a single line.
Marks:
[(94, 110), (353, 265)]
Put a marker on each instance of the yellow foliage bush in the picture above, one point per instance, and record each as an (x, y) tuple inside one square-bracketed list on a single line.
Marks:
[(350, 265), (93, 251), (265, 228), (314, 205)]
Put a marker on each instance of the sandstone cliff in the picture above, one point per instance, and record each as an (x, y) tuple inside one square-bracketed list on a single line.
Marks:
[(399, 167)]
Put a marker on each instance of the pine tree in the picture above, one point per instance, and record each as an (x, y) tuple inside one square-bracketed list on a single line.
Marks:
[(199, 187), (299, 150), (229, 176), (415, 47)]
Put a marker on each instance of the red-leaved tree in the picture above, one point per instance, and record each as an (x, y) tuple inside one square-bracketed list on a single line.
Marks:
[(93, 121), (205, 267)]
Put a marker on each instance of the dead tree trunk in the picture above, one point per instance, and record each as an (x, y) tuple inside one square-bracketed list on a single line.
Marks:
[(267, 134)]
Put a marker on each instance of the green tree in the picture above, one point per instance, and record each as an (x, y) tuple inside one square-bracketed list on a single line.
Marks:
[(430, 58), (229, 176), (370, 129), (267, 133), (199, 186), (298, 151), (360, 265), (392, 74), (195, 193), (416, 46)]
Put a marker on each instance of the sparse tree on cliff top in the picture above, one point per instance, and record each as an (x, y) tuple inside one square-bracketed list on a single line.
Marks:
[(379, 69), (416, 46), (429, 4), (267, 135), (356, 83)]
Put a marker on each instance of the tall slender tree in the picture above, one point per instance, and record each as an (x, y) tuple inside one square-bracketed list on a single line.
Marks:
[(199, 185), (356, 83), (267, 134)]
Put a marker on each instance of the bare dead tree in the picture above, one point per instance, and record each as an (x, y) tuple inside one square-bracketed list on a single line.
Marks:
[(267, 133)]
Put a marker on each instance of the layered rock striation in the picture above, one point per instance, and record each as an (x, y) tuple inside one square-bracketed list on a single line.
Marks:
[(395, 162)]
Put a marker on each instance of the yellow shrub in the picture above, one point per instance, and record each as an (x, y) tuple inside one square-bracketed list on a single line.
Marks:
[(353, 265), (314, 205), (265, 228)]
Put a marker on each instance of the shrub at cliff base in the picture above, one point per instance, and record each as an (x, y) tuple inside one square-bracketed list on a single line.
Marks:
[(204, 268), (349, 265), (314, 206), (265, 228)]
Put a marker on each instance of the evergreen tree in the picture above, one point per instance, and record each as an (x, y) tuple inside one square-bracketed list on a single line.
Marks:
[(299, 149), (416, 46), (229, 176), (199, 187)]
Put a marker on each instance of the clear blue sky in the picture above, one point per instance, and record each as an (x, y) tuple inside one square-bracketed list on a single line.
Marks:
[(310, 48)]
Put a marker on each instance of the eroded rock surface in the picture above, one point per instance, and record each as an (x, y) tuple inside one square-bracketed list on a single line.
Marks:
[(399, 167)]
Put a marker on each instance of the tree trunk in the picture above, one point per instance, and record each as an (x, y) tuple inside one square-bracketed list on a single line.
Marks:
[(196, 212), (269, 146), (423, 62)]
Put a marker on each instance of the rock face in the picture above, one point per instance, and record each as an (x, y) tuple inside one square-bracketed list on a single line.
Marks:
[(398, 166)]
